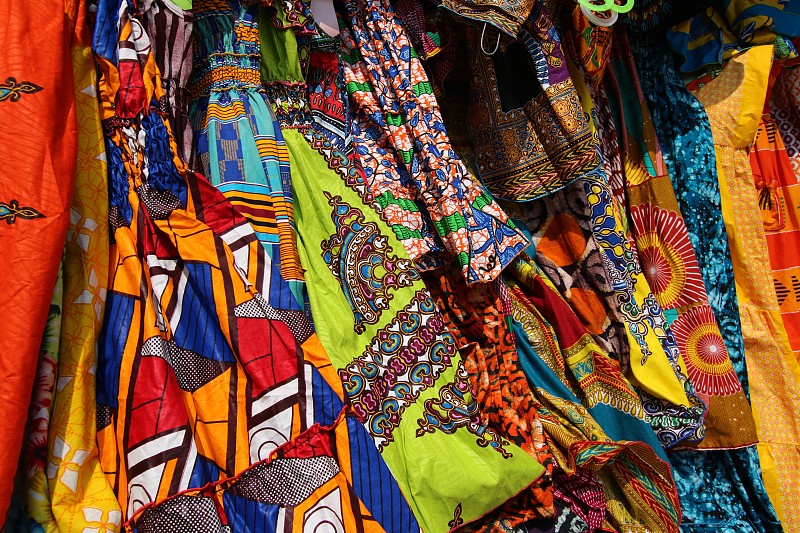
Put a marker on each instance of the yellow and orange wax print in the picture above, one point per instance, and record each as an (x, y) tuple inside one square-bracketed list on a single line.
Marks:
[(668, 260), (71, 493), (776, 169), (774, 177), (734, 101), (38, 144), (207, 396)]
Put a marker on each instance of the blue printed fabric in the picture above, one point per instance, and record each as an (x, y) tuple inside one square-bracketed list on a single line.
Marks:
[(720, 490)]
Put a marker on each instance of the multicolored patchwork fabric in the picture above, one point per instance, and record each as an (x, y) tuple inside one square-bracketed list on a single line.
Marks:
[(421, 187), (589, 410), (210, 395), (612, 288), (669, 263), (530, 134), (240, 148), (566, 251)]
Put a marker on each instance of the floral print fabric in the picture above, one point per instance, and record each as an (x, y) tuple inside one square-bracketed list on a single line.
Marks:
[(422, 188), (669, 262)]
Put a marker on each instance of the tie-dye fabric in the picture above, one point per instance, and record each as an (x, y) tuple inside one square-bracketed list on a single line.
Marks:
[(422, 188), (735, 500), (733, 101)]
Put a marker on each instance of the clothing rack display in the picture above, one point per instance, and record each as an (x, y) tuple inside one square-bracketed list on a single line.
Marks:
[(413, 265)]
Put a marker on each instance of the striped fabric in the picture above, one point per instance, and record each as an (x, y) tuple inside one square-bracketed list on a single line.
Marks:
[(217, 406), (239, 145)]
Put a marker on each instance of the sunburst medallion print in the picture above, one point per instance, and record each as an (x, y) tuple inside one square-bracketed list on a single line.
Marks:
[(666, 256), (707, 361)]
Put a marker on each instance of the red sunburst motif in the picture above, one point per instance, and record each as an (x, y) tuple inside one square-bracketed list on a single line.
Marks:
[(667, 257), (707, 361)]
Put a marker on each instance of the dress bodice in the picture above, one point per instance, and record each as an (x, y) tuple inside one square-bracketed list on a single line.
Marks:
[(227, 50)]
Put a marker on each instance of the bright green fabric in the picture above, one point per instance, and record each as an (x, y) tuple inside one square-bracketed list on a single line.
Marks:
[(438, 472), (281, 60)]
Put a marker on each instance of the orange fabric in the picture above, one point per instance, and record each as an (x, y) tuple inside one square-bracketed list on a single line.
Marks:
[(38, 147), (779, 198)]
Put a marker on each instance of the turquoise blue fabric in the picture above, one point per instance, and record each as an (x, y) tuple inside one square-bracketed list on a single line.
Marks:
[(721, 491), (239, 146), (619, 426)]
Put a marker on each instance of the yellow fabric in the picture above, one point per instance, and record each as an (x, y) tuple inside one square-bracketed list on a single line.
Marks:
[(657, 376), (81, 498), (734, 101)]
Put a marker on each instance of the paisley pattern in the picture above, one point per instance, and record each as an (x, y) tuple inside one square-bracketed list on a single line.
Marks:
[(413, 359), (673, 408), (456, 408), (362, 261)]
